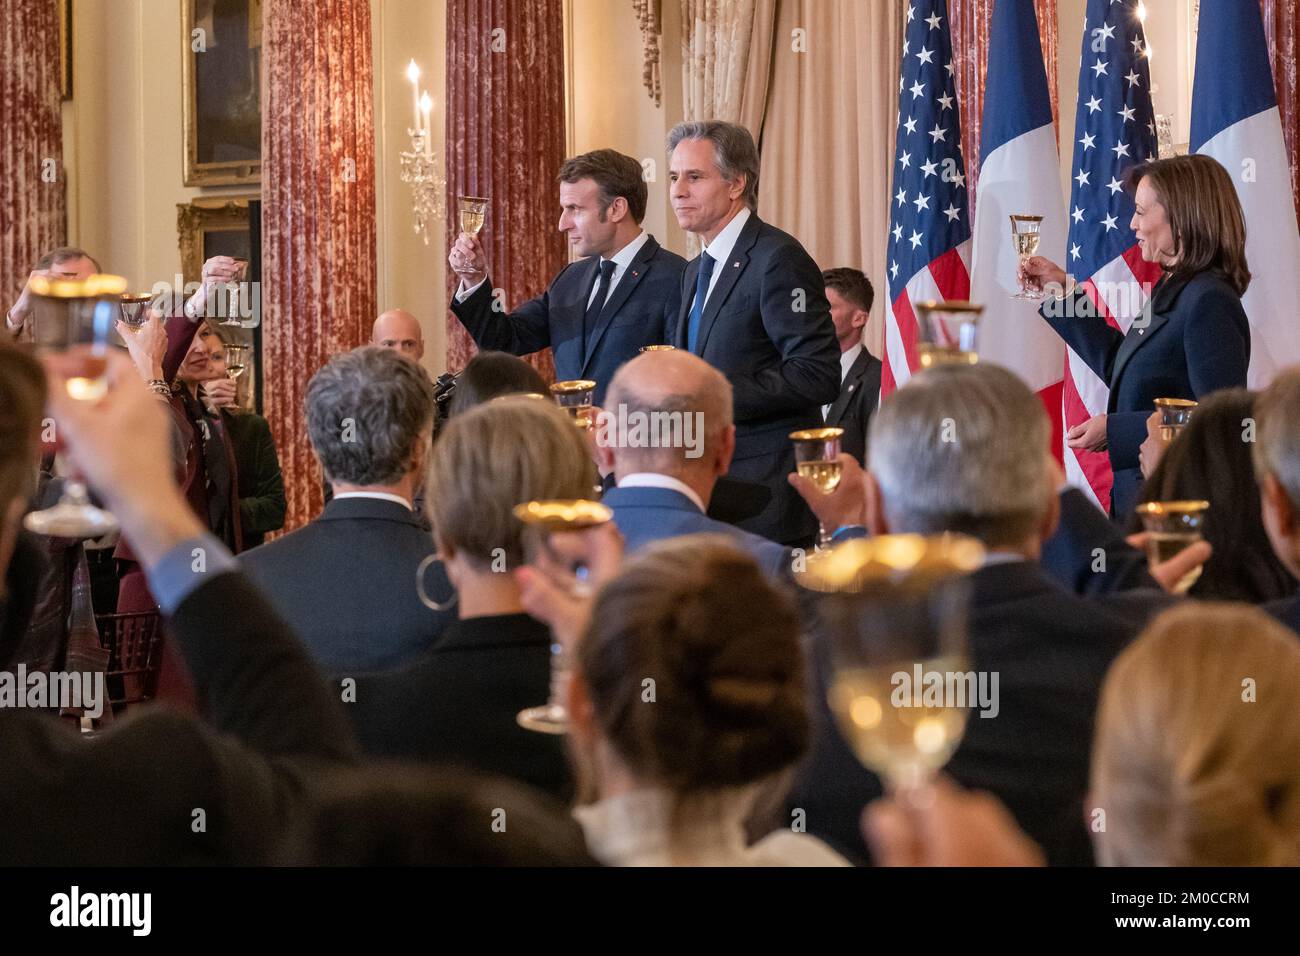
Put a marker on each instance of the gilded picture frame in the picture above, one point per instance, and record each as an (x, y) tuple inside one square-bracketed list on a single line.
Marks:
[(221, 91)]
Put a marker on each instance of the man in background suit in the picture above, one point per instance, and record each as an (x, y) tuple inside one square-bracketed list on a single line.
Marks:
[(347, 582), (1277, 468), (753, 306), (850, 295), (598, 312), (664, 492)]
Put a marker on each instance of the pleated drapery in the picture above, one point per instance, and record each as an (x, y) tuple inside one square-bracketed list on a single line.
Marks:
[(33, 189), (505, 141), (318, 215)]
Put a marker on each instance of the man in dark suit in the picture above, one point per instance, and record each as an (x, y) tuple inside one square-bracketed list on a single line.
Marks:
[(850, 296), (1277, 466), (1049, 648), (754, 307), (663, 488), (598, 312), (347, 582), (184, 793)]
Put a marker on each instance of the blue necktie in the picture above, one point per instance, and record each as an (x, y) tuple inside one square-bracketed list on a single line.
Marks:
[(701, 293), (596, 305)]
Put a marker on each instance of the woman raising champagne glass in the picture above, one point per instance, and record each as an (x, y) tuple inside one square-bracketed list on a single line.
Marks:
[(1193, 337)]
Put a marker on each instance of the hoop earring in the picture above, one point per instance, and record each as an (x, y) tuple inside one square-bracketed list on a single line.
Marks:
[(427, 601)]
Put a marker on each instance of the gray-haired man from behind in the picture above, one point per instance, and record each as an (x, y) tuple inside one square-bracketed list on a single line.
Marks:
[(347, 582)]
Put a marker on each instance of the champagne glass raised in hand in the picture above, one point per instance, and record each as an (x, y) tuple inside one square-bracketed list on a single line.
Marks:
[(1172, 526), (946, 332), (1025, 233), (817, 458), (473, 210)]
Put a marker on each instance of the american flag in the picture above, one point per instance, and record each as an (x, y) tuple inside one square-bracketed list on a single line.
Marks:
[(929, 227), (1114, 129)]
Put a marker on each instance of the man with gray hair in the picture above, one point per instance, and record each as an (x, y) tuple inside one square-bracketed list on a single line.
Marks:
[(666, 435), (347, 582), (1277, 467), (754, 307), (966, 449)]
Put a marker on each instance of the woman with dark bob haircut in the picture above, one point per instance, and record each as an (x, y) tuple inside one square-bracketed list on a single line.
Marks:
[(1192, 339)]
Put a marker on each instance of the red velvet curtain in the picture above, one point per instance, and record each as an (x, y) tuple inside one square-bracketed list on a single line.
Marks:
[(32, 187), (318, 214), (1281, 26), (505, 140), (970, 21)]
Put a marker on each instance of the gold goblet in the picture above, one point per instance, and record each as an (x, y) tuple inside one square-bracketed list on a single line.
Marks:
[(1174, 414), (1172, 526), (575, 397), (947, 332)]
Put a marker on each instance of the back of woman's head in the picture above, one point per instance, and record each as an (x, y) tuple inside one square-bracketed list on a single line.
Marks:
[(489, 375), (1196, 761), (494, 457), (1211, 460), (692, 667)]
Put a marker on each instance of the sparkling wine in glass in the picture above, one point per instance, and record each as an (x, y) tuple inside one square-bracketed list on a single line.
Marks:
[(894, 651), (1172, 526), (1174, 414), (236, 360), (542, 519), (1025, 232), (73, 320), (576, 398), (473, 210), (947, 333), (816, 457)]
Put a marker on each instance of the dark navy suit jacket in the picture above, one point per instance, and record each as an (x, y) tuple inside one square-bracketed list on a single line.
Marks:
[(644, 515), (767, 327), (1197, 341), (640, 311), (857, 401)]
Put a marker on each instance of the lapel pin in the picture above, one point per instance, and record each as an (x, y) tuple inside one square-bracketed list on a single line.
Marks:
[(736, 264)]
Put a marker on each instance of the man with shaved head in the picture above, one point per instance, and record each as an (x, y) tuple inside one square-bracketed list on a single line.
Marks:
[(667, 434), (400, 331)]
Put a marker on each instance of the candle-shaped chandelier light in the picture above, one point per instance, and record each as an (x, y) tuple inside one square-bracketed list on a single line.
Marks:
[(419, 166)]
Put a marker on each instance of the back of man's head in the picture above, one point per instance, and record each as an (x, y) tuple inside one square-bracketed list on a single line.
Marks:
[(668, 413), (366, 412), (1276, 456), (963, 448)]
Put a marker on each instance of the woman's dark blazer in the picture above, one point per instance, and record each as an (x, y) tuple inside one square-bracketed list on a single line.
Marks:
[(1195, 340)]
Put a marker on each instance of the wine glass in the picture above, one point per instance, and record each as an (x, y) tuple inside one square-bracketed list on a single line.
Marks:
[(1025, 233), (1172, 526), (543, 519), (894, 648), (947, 332), (236, 360), (74, 318), (234, 293), (816, 457), (576, 398), (135, 310), (473, 210), (1174, 414)]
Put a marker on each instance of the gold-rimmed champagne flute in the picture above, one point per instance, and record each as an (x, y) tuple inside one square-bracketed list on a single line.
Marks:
[(947, 332), (1172, 526), (1025, 233), (816, 457), (542, 519), (473, 212), (73, 319), (1174, 414), (576, 398), (235, 292), (894, 610)]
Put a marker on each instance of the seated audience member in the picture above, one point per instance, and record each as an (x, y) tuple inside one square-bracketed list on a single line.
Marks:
[(62, 263), (347, 582), (1211, 460), (1277, 468), (850, 294), (1197, 754), (458, 702), (1050, 647), (490, 375), (273, 720), (663, 492), (261, 486), (686, 702), (399, 331)]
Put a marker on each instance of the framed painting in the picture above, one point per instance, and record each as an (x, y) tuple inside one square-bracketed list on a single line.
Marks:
[(221, 91)]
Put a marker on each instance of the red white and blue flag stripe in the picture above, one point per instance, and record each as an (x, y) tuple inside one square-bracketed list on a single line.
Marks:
[(1235, 119), (929, 227)]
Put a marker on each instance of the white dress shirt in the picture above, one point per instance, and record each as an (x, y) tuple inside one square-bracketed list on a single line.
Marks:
[(621, 259), (381, 495), (650, 479), (719, 249), (846, 362)]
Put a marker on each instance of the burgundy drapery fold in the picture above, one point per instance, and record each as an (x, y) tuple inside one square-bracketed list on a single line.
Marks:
[(505, 140), (971, 21), (33, 194), (1281, 28), (318, 215)]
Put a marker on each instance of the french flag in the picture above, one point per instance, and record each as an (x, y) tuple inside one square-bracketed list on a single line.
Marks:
[(1235, 120), (1019, 174)]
